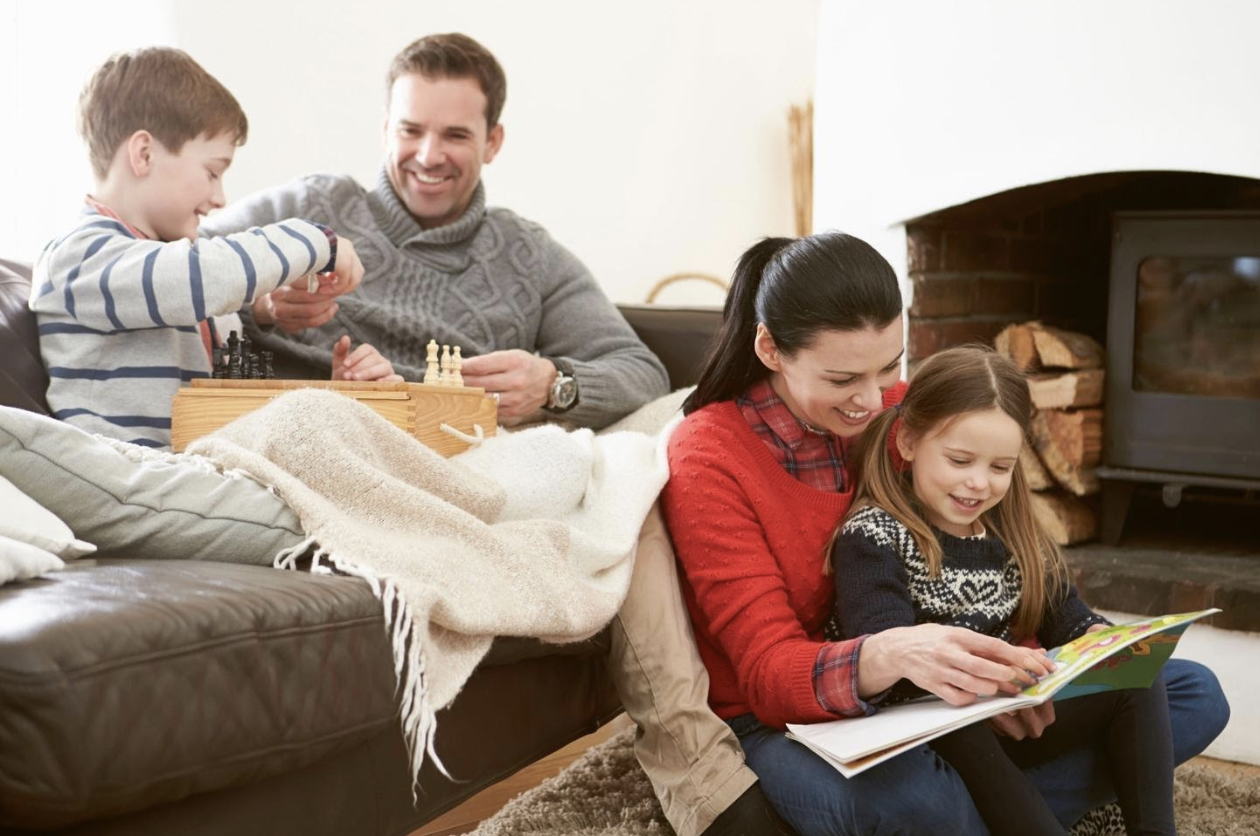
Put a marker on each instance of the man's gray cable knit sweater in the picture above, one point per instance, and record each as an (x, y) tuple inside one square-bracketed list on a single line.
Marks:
[(489, 281)]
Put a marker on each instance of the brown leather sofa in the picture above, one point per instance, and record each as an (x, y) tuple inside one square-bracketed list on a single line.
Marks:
[(192, 697)]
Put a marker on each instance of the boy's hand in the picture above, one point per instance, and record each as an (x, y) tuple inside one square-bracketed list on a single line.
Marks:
[(348, 271), (346, 275), (364, 363), (293, 308)]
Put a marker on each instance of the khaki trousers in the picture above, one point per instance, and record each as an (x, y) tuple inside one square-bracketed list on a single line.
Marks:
[(692, 758)]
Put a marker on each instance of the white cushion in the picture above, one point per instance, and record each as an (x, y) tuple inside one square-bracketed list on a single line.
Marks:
[(19, 560), (25, 520)]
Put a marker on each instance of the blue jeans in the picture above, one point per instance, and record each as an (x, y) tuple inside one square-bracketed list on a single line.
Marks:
[(919, 793)]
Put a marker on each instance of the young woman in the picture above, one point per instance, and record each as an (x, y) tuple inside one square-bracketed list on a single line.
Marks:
[(942, 531), (809, 352)]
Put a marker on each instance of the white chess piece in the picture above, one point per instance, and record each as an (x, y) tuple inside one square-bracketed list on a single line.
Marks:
[(444, 379), (432, 374), (457, 363)]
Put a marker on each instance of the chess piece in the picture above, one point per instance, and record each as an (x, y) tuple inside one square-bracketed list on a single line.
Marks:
[(234, 357), (444, 379), (431, 372), (457, 363), (255, 368), (216, 364), (268, 373), (247, 357)]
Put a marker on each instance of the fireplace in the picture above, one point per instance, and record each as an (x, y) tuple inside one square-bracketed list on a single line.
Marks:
[(1163, 269)]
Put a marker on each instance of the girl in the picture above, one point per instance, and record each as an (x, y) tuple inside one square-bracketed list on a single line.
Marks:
[(942, 531)]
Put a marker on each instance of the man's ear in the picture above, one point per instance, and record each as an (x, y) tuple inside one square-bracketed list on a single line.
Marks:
[(767, 351), (905, 443), (494, 141), (140, 153)]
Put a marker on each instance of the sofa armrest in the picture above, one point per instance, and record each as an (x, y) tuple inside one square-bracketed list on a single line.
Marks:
[(23, 380)]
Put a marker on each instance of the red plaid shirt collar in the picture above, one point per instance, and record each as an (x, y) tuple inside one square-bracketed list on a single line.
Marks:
[(814, 457)]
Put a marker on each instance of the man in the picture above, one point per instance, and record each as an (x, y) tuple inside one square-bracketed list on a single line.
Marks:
[(531, 320), (438, 264)]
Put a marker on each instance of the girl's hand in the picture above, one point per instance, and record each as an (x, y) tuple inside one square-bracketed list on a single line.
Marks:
[(364, 363), (954, 663), (1026, 722)]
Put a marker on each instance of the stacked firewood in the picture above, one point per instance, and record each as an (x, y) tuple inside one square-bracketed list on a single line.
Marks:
[(1065, 374)]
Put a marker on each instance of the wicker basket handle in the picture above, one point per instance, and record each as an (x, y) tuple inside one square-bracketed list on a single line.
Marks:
[(680, 277)]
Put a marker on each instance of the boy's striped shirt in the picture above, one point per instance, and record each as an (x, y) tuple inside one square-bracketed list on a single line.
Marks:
[(119, 316)]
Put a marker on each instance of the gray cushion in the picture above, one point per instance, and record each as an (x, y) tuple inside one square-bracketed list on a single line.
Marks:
[(142, 508)]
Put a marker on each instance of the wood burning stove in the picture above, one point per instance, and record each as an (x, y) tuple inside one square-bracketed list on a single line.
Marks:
[(1183, 356)]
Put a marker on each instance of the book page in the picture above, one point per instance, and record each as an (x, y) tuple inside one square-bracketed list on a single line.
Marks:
[(912, 722), (1148, 640)]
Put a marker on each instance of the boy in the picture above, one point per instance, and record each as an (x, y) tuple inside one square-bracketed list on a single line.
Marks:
[(126, 301)]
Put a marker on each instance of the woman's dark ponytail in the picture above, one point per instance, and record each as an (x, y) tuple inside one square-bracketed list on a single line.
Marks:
[(732, 364), (797, 288)]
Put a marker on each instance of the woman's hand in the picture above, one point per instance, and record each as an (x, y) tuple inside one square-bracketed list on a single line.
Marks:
[(954, 663)]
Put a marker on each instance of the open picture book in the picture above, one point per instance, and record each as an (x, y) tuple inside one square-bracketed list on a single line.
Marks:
[(1124, 656)]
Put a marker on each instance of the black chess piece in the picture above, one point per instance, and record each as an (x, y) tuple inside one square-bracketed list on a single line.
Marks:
[(247, 356), (234, 357), (269, 373), (255, 367), (216, 364)]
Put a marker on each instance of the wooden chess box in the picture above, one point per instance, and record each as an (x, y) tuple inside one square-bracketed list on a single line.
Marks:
[(419, 409)]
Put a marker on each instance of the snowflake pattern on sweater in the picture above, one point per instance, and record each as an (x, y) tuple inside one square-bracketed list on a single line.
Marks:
[(882, 581)]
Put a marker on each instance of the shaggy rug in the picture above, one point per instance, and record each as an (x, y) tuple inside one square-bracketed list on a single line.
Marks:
[(605, 793)]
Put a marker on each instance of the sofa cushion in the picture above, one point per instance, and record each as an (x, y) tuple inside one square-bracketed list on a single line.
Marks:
[(141, 503), (126, 683), (23, 380)]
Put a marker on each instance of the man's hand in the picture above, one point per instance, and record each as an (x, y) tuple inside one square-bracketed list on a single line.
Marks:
[(291, 308), (521, 380), (364, 363)]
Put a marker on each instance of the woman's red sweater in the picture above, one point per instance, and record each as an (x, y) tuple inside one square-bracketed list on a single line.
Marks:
[(751, 543)]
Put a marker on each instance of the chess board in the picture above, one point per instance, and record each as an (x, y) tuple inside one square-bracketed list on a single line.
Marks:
[(416, 408)]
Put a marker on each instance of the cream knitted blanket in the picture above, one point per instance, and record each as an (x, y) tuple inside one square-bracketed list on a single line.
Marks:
[(528, 534)]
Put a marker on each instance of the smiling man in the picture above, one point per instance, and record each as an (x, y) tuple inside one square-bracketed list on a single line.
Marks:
[(533, 323)]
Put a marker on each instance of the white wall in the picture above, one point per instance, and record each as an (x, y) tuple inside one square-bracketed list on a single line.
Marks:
[(921, 105), (649, 138), (47, 52)]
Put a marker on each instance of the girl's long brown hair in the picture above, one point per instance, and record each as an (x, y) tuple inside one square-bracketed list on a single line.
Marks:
[(947, 385)]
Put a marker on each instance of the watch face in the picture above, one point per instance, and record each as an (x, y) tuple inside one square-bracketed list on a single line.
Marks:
[(565, 392)]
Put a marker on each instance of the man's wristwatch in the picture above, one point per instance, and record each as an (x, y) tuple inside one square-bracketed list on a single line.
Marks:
[(564, 392)]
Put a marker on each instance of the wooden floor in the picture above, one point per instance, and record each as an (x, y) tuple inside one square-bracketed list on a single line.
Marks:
[(486, 803), (466, 817)]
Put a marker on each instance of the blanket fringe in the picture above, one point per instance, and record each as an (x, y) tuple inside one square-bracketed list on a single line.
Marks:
[(288, 558), (418, 719)]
